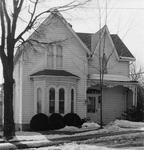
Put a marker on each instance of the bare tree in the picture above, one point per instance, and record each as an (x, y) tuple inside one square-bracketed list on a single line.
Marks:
[(136, 74), (9, 20)]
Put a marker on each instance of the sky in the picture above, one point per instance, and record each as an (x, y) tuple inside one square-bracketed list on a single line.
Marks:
[(123, 17)]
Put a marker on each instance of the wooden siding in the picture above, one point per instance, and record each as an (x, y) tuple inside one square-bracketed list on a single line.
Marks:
[(114, 103), (18, 91), (74, 61)]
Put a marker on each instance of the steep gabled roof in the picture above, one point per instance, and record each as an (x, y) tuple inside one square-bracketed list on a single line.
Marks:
[(51, 72), (91, 40), (54, 13), (86, 39), (121, 48)]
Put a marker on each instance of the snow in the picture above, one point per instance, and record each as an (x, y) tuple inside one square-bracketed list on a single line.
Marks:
[(127, 124), (85, 126), (74, 146), (90, 125), (113, 132), (69, 128)]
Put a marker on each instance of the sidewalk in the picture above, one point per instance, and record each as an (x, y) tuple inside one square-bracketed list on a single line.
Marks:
[(43, 139)]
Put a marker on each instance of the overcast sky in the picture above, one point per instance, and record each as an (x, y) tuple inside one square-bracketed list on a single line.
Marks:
[(124, 17)]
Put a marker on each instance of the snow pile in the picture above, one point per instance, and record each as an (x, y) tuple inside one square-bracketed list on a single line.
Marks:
[(69, 128), (127, 124), (90, 125), (85, 126)]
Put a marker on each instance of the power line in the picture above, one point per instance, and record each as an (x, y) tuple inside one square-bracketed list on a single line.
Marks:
[(118, 8)]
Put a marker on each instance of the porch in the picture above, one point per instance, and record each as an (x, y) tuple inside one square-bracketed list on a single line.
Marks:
[(117, 96)]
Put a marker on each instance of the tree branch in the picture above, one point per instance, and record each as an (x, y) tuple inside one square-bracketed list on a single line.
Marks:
[(33, 19), (17, 8)]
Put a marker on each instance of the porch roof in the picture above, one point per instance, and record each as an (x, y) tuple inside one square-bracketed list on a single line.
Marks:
[(51, 72), (111, 77)]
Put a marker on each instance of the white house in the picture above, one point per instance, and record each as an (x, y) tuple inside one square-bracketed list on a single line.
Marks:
[(53, 73)]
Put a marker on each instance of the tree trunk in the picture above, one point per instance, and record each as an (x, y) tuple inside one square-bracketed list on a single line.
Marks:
[(9, 127)]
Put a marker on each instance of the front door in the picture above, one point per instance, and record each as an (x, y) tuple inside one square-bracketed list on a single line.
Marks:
[(93, 107)]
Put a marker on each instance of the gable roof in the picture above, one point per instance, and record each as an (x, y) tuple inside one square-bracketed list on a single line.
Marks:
[(51, 72), (54, 13), (91, 40), (121, 48), (86, 39)]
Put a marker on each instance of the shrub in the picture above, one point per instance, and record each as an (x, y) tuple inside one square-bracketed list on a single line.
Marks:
[(39, 122), (72, 119), (56, 121), (85, 120), (134, 114)]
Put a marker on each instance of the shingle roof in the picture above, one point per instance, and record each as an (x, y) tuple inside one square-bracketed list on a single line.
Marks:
[(86, 39), (51, 72), (121, 48)]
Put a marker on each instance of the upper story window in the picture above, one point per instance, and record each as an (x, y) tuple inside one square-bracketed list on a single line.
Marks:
[(50, 57), (104, 63), (55, 57), (59, 57)]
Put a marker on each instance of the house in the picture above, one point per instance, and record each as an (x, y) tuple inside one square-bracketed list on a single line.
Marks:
[(54, 73)]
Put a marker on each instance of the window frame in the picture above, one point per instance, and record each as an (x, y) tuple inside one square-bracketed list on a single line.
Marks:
[(52, 99), (39, 100), (72, 100), (61, 100)]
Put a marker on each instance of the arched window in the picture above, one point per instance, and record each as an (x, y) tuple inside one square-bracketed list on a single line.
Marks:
[(61, 100), (39, 100), (59, 57), (52, 100), (72, 100)]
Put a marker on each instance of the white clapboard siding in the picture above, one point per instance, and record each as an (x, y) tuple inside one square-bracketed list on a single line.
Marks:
[(74, 61), (114, 103)]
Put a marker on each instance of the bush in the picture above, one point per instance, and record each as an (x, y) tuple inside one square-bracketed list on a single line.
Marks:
[(72, 119), (134, 114), (56, 121), (39, 122)]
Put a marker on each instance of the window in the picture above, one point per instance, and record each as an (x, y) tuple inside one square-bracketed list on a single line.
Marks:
[(91, 106), (104, 63), (50, 57), (61, 100), (39, 99), (58, 57), (72, 100), (54, 57), (52, 100)]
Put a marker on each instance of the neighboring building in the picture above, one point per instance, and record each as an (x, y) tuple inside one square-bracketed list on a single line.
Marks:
[(58, 76)]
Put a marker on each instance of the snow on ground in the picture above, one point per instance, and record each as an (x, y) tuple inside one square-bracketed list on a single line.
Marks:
[(74, 146), (85, 126), (89, 128), (90, 125), (127, 124)]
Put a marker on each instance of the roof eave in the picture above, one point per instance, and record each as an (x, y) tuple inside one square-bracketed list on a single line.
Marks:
[(44, 76), (121, 58)]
